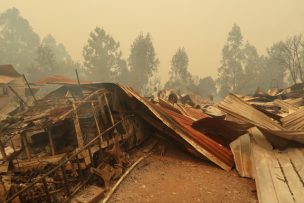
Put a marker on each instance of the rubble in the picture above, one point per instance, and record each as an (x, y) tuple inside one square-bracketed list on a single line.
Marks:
[(79, 141), (271, 152), (63, 137)]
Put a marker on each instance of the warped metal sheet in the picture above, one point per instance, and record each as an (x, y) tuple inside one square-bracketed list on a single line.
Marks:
[(286, 106), (238, 108), (235, 106), (222, 131), (181, 126), (294, 121), (242, 155)]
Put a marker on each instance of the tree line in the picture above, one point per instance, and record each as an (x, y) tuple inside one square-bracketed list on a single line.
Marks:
[(242, 69)]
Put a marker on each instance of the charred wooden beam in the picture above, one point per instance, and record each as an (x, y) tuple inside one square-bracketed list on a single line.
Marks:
[(62, 164), (2, 150), (28, 85), (79, 135), (46, 189), (51, 143), (18, 96), (26, 147)]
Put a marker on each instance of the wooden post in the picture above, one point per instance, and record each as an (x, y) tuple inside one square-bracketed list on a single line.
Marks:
[(76, 71), (14, 148), (51, 141), (78, 128), (120, 110), (111, 116), (78, 81), (79, 168), (96, 121), (17, 95), (91, 156), (108, 106), (103, 116), (26, 147), (65, 181), (46, 189), (2, 149), (28, 85)]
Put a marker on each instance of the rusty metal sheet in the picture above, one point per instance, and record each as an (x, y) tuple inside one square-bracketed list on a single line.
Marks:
[(181, 126), (222, 131), (193, 113), (56, 79)]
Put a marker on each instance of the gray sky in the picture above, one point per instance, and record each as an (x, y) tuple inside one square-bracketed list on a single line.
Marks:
[(201, 26)]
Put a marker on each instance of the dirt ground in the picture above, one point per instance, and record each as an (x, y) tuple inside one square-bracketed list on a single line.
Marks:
[(179, 177)]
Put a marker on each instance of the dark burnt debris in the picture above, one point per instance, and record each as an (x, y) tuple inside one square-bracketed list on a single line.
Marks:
[(72, 137), (79, 139)]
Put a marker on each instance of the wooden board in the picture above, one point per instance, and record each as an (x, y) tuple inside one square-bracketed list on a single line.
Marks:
[(279, 174), (265, 189)]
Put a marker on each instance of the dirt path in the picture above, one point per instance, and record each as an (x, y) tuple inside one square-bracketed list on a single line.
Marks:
[(178, 177)]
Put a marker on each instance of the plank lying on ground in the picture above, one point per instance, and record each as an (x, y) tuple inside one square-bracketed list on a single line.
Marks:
[(263, 179), (277, 176), (292, 180), (109, 194)]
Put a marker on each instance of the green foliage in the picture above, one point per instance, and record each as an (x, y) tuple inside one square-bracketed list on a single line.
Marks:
[(290, 54), (44, 64), (252, 69), (142, 61), (180, 78), (179, 65), (45, 58), (153, 85), (18, 41), (206, 87), (273, 67), (61, 55), (102, 56), (231, 75), (242, 70)]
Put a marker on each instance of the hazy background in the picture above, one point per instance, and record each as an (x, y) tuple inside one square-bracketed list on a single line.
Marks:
[(200, 26)]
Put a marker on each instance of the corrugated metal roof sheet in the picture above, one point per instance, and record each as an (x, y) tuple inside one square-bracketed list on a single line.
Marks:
[(238, 108), (56, 79), (182, 127)]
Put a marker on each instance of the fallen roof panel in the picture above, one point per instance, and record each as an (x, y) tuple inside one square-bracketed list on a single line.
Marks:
[(182, 126), (238, 108)]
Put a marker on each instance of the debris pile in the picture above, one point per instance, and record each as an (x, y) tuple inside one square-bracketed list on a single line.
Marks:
[(70, 138), (81, 139), (272, 150)]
